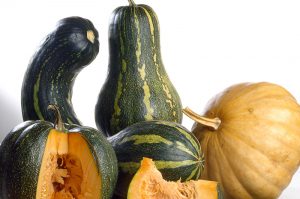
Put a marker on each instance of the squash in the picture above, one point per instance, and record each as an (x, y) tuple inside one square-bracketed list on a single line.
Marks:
[(174, 149), (250, 135), (137, 87), (42, 161), (51, 74), (148, 183)]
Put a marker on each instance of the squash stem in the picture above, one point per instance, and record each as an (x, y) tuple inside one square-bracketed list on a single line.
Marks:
[(58, 124), (211, 122), (90, 36), (131, 3)]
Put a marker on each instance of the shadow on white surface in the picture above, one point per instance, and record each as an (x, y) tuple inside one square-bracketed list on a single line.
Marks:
[(10, 115)]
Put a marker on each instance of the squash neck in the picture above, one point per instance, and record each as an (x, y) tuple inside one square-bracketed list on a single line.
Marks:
[(209, 122)]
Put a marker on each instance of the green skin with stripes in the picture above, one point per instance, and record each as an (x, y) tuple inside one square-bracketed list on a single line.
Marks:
[(51, 73), (175, 151), (137, 87), (21, 154)]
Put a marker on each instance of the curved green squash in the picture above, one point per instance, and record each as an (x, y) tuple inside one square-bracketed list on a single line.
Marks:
[(52, 71), (24, 163), (137, 87), (175, 151)]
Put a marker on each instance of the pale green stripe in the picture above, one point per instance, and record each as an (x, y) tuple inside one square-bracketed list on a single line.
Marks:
[(193, 174), (129, 167), (186, 134), (132, 167), (156, 18), (122, 44), (174, 164), (69, 97), (118, 96), (69, 121), (117, 110), (148, 139), (147, 94), (182, 147), (138, 51), (124, 66), (36, 105), (191, 139), (150, 23)]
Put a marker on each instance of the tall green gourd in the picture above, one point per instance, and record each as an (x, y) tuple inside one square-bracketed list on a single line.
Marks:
[(137, 87), (52, 71)]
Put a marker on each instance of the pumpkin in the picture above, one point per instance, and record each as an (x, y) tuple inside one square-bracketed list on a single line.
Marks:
[(40, 160), (53, 69), (148, 183), (137, 87), (175, 150), (250, 135)]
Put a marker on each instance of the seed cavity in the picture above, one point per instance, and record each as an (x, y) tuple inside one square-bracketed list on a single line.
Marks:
[(67, 177)]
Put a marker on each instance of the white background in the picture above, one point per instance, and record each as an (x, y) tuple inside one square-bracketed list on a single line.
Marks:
[(206, 47)]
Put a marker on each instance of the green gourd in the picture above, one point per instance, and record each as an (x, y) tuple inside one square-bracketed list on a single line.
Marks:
[(137, 87), (175, 151), (51, 74)]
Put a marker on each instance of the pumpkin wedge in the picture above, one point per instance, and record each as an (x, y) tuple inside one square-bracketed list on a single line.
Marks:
[(148, 183), (65, 162), (250, 135)]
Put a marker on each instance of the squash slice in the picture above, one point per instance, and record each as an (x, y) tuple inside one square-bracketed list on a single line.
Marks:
[(148, 183)]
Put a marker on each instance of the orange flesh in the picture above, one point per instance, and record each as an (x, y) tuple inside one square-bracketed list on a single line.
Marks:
[(68, 169), (148, 183)]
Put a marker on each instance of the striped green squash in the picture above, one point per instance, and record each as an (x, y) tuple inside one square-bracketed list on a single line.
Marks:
[(176, 152), (50, 75), (30, 156), (137, 87)]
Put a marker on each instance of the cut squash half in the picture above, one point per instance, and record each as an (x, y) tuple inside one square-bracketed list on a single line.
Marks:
[(148, 183), (68, 169), (44, 160)]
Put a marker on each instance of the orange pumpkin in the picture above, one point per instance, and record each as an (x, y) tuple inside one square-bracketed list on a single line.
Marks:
[(250, 135)]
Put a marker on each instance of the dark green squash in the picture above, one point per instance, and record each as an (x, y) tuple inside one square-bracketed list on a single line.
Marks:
[(36, 156), (137, 87), (52, 71), (175, 151)]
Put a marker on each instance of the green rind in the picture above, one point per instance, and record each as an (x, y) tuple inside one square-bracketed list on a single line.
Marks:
[(6, 150), (137, 87), (51, 73), (22, 152), (105, 157), (175, 151), (22, 161)]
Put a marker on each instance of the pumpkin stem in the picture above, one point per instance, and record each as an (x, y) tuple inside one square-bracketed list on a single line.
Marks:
[(58, 124), (211, 122), (131, 3)]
